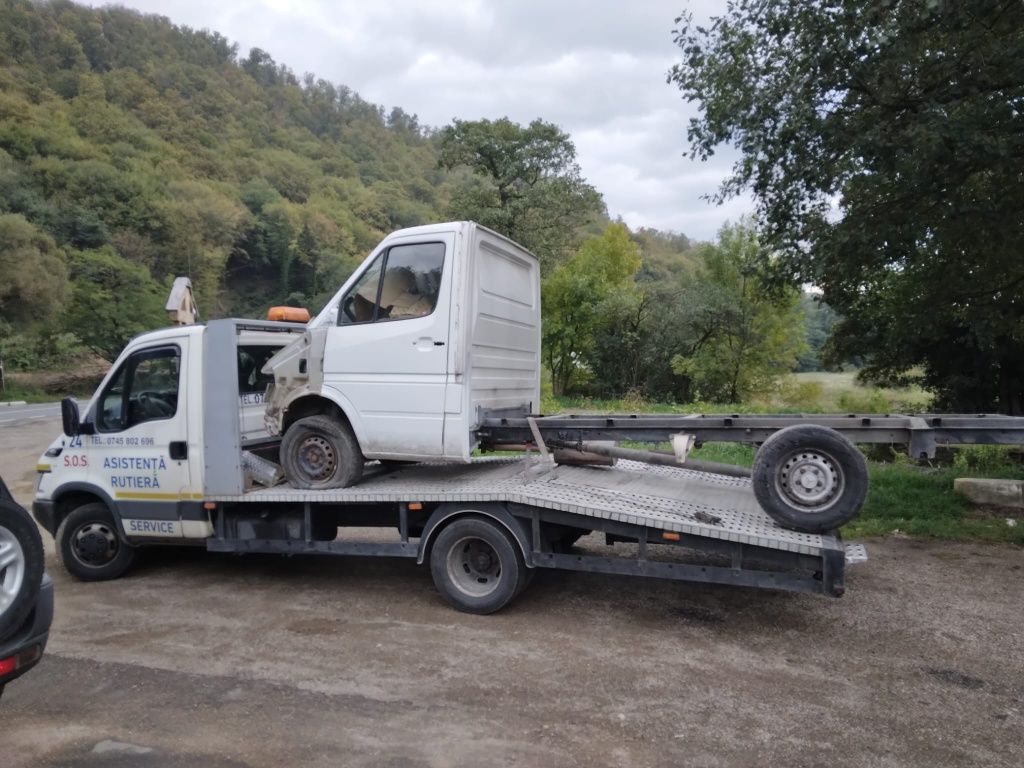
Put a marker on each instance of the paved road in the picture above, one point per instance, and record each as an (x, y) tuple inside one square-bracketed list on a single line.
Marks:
[(201, 659), (19, 415)]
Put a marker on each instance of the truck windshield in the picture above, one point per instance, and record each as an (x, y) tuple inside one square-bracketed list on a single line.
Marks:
[(144, 388)]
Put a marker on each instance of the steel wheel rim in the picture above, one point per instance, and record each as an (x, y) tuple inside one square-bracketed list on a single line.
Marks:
[(474, 566), (12, 568), (317, 457), (810, 480), (94, 544)]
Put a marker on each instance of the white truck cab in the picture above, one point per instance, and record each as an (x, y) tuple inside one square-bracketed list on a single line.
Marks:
[(439, 325), (139, 446)]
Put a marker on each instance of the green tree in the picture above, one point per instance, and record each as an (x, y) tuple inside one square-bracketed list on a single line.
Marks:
[(528, 183), (883, 142), (601, 270), (113, 300), (754, 334), (35, 278), (819, 318)]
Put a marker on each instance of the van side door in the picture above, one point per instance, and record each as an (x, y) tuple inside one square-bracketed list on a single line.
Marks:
[(388, 353)]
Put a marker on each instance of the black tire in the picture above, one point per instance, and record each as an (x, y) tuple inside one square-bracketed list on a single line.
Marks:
[(810, 478), (89, 545), (319, 452), (21, 567), (477, 566)]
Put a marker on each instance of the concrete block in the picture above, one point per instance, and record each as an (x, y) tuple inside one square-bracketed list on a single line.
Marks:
[(1000, 493)]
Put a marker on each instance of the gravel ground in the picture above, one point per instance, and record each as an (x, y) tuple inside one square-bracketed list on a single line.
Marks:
[(200, 659)]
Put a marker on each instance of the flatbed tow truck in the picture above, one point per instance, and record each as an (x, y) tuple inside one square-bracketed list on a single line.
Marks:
[(483, 527), (428, 355), (178, 476)]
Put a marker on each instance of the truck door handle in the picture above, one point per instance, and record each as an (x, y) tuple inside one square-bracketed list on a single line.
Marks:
[(438, 343), (178, 450)]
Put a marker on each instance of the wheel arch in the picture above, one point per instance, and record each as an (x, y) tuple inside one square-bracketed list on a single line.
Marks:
[(309, 403), (449, 513), (71, 496)]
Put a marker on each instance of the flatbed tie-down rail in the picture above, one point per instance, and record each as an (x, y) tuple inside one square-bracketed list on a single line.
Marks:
[(701, 511), (921, 433)]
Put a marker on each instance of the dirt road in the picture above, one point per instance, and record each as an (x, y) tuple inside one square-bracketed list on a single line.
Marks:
[(196, 659)]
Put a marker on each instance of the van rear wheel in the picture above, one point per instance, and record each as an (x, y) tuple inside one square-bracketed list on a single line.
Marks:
[(318, 452)]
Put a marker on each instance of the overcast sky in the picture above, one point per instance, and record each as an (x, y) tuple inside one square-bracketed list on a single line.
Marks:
[(596, 68)]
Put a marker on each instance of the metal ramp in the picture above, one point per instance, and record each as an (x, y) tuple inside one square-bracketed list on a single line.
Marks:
[(668, 499)]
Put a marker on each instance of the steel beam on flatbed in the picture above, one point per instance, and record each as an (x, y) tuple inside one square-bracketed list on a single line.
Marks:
[(921, 433)]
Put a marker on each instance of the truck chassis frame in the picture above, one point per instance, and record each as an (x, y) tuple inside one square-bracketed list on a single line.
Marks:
[(922, 434)]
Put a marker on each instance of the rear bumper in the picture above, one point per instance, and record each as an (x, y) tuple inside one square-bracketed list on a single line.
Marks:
[(30, 641), (43, 512)]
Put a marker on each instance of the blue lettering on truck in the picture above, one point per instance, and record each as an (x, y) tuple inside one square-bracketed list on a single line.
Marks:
[(152, 526), (134, 481), (144, 463)]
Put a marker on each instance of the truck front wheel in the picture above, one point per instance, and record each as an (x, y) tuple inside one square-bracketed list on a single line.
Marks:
[(318, 452), (89, 547), (476, 566)]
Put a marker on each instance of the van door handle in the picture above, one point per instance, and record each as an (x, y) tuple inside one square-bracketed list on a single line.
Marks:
[(178, 450), (426, 343)]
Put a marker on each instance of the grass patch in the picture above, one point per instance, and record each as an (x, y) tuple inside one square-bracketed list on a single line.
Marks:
[(14, 392), (920, 501), (740, 454)]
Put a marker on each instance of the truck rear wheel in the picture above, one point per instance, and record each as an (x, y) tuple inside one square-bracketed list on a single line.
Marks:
[(21, 566), (476, 566), (89, 547), (319, 452), (810, 478)]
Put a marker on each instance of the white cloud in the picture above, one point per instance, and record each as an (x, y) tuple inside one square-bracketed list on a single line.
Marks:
[(595, 67)]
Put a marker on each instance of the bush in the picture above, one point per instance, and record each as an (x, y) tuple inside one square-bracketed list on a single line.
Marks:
[(984, 460)]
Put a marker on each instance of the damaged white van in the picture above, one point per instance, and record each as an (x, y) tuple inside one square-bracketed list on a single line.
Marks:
[(440, 324)]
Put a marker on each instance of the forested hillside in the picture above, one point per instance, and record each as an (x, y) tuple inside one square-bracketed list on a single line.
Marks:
[(133, 150), (131, 145)]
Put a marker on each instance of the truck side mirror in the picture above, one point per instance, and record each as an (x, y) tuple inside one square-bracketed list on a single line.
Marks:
[(69, 417)]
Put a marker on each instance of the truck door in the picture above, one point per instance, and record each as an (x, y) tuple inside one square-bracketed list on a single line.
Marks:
[(388, 353), (139, 449)]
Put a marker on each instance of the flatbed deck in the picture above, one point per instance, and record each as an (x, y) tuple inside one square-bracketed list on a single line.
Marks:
[(630, 501), (664, 498)]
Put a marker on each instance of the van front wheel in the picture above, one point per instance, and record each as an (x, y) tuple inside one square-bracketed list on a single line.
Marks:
[(318, 452)]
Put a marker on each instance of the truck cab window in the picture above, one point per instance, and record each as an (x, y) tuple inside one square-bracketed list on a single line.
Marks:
[(401, 284), (145, 388)]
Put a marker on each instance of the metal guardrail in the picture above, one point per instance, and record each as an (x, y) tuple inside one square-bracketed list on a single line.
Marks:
[(921, 433)]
